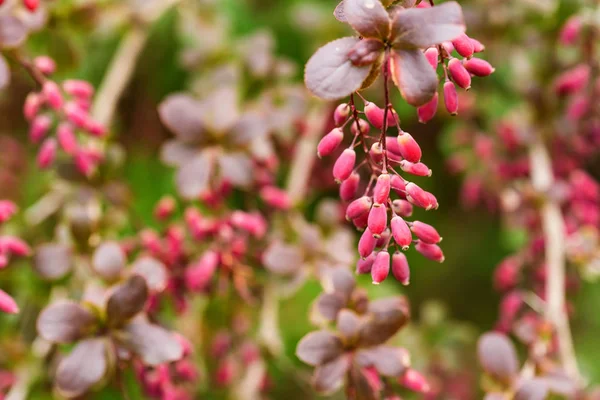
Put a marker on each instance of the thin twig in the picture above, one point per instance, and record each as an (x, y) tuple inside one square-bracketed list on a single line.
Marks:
[(553, 226)]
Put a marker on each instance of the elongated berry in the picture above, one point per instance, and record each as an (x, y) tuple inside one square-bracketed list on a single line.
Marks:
[(330, 142), (361, 222), (420, 197), (402, 207), (450, 98), (381, 267), (375, 115), (418, 169), (275, 197), (478, 67), (342, 169), (459, 73), (409, 148), (391, 144), (377, 221), (432, 54), (363, 127), (400, 268), (366, 244), (426, 232), (463, 45), (398, 185), (478, 47), (572, 80), (427, 111), (53, 95), (39, 128), (78, 88), (76, 115), (358, 207), (66, 138), (401, 232), (363, 265), (414, 381), (570, 31), (7, 303), (341, 113), (349, 187), (47, 153), (430, 251), (32, 105), (45, 64), (381, 192)]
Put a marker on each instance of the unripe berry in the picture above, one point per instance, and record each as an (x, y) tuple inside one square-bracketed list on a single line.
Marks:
[(478, 47), (39, 128), (414, 381), (7, 303), (398, 185), (377, 221), (463, 45), (570, 31), (427, 111), (342, 169), (401, 232), (66, 138), (420, 197), (78, 88), (392, 147), (418, 169), (363, 265), (363, 125), (53, 95), (572, 80), (45, 64), (400, 268), (381, 267), (450, 98), (426, 232), (375, 115), (459, 73), (32, 105), (402, 207), (47, 153), (341, 113), (198, 275), (330, 142), (432, 54), (430, 251), (409, 148), (366, 244), (381, 192), (361, 222), (349, 187), (76, 115), (358, 207), (479, 67)]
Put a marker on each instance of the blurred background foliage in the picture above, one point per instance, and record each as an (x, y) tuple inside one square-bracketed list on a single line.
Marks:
[(459, 290)]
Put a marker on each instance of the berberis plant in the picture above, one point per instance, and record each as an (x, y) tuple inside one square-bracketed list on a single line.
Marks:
[(180, 207)]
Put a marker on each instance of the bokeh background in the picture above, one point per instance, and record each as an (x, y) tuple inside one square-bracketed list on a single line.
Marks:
[(455, 301)]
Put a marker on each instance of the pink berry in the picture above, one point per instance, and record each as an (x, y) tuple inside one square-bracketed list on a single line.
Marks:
[(401, 232), (450, 98), (459, 73), (381, 267), (426, 232), (400, 268), (463, 45), (381, 192), (377, 221), (330, 142), (430, 251), (349, 187), (344, 165), (428, 110), (479, 67), (341, 113), (409, 149), (366, 244), (358, 207)]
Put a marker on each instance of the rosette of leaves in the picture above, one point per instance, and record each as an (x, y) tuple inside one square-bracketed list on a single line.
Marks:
[(399, 34), (15, 25), (103, 332), (357, 345), (213, 143), (504, 380)]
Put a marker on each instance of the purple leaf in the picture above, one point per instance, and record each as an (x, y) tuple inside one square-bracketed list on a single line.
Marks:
[(109, 260), (348, 324), (386, 317), (389, 361), (343, 281), (329, 305), (425, 27), (4, 73), (329, 377), (52, 261), (368, 17), (330, 74), (155, 345), (414, 76), (319, 347), (194, 176), (65, 322), (366, 52), (183, 115), (12, 31), (498, 356), (85, 366), (126, 300), (153, 271)]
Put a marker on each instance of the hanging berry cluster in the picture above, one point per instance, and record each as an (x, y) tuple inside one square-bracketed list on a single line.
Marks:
[(390, 42)]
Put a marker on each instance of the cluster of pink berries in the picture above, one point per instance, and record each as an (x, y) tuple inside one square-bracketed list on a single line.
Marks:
[(456, 72), (169, 381), (31, 5), (10, 246), (64, 110), (225, 255), (373, 210)]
